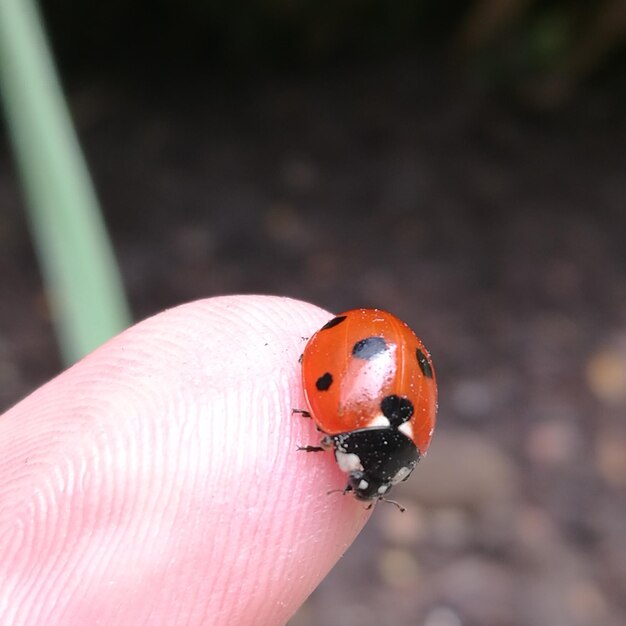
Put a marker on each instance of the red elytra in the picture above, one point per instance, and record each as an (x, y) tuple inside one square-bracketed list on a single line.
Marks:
[(370, 386)]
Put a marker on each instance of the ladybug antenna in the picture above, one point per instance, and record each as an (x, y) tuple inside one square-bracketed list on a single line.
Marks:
[(402, 509)]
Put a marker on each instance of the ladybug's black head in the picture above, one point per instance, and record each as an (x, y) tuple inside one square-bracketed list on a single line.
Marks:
[(375, 459), (365, 487)]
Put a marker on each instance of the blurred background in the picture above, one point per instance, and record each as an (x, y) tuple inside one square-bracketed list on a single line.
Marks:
[(461, 164)]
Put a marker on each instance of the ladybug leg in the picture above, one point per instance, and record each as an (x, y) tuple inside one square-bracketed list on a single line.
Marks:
[(311, 448), (306, 414), (343, 492), (326, 444)]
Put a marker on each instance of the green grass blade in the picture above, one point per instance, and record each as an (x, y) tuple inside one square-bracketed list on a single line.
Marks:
[(78, 265)]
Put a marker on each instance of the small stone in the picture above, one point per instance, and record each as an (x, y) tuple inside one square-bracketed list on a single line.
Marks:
[(399, 569), (610, 458), (450, 527), (536, 534), (553, 442), (606, 374), (403, 530), (442, 616), (473, 398), (587, 603), (483, 591)]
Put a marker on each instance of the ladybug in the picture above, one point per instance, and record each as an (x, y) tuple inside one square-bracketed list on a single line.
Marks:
[(370, 387)]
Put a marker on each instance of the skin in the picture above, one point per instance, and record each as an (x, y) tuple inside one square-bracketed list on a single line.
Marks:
[(157, 481)]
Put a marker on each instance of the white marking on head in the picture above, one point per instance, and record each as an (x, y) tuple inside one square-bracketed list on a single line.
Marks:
[(327, 442), (383, 489), (348, 461), (402, 474), (378, 420), (363, 484), (406, 429)]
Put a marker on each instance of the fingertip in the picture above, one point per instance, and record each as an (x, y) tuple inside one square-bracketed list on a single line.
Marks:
[(173, 447)]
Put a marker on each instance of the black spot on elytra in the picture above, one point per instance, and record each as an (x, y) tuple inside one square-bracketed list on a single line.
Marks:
[(334, 322), (427, 370), (324, 382), (396, 409), (368, 348)]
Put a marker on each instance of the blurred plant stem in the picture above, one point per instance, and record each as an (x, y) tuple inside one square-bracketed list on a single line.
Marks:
[(82, 279)]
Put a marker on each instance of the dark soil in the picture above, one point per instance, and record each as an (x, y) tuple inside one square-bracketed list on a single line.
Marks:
[(498, 234)]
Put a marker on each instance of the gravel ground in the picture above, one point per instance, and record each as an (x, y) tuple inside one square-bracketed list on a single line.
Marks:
[(496, 233)]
